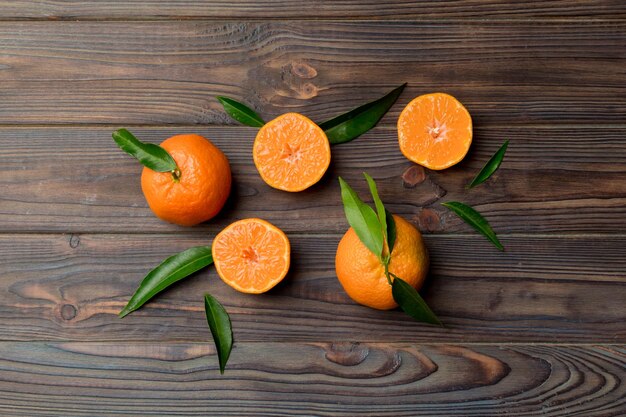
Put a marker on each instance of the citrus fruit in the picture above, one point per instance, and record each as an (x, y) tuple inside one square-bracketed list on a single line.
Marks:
[(251, 255), (201, 188), (435, 131), (291, 152), (362, 275)]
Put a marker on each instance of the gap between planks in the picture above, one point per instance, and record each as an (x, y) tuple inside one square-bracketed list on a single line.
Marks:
[(461, 342), (193, 234), (112, 126), (347, 19)]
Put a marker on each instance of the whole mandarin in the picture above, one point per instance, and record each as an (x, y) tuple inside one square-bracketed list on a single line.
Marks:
[(195, 194), (362, 275)]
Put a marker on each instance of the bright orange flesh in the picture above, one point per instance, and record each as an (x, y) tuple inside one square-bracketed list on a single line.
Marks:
[(435, 131), (291, 152), (362, 275), (202, 189), (251, 255)]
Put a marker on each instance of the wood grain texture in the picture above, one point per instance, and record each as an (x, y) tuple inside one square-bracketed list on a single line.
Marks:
[(321, 379), (346, 9), (168, 72), (544, 289), (291, 9), (564, 180), (536, 331)]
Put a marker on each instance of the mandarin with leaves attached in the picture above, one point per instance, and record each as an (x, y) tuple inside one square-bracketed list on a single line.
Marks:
[(198, 191), (362, 274)]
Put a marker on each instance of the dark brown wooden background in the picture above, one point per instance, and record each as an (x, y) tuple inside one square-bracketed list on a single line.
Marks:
[(536, 331)]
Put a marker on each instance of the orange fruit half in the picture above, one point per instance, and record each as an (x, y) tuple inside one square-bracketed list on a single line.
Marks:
[(291, 152), (200, 190), (435, 131), (251, 255)]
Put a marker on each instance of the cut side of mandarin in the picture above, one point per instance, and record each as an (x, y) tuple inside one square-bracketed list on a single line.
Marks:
[(435, 131), (291, 152), (251, 255)]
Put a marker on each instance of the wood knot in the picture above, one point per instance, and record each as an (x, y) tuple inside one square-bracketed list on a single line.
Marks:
[(346, 354), (413, 176), (74, 241), (303, 70), (428, 220), (307, 91), (68, 312), (482, 369)]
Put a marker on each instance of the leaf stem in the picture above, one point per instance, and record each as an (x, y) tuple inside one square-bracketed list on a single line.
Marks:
[(393, 275), (387, 273)]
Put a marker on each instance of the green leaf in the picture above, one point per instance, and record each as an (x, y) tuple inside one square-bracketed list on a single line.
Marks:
[(354, 123), (148, 154), (474, 219), (490, 167), (380, 208), (241, 112), (391, 231), (363, 219), (219, 323), (412, 303), (171, 270)]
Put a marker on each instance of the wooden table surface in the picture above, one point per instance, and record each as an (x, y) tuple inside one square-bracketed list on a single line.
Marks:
[(536, 331)]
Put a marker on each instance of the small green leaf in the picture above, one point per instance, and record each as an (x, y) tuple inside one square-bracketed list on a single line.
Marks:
[(148, 154), (380, 208), (363, 219), (412, 303), (171, 270), (391, 231), (241, 112), (221, 329), (219, 323), (354, 123), (474, 219), (490, 167)]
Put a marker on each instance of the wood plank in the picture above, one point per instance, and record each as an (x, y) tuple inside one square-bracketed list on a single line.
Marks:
[(290, 9), (544, 289), (322, 379), (562, 180), (168, 72)]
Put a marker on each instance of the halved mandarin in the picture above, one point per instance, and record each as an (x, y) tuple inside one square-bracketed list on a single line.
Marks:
[(291, 152), (251, 255), (435, 131)]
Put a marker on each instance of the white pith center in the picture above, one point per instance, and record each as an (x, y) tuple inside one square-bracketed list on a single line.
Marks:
[(291, 154), (437, 131)]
